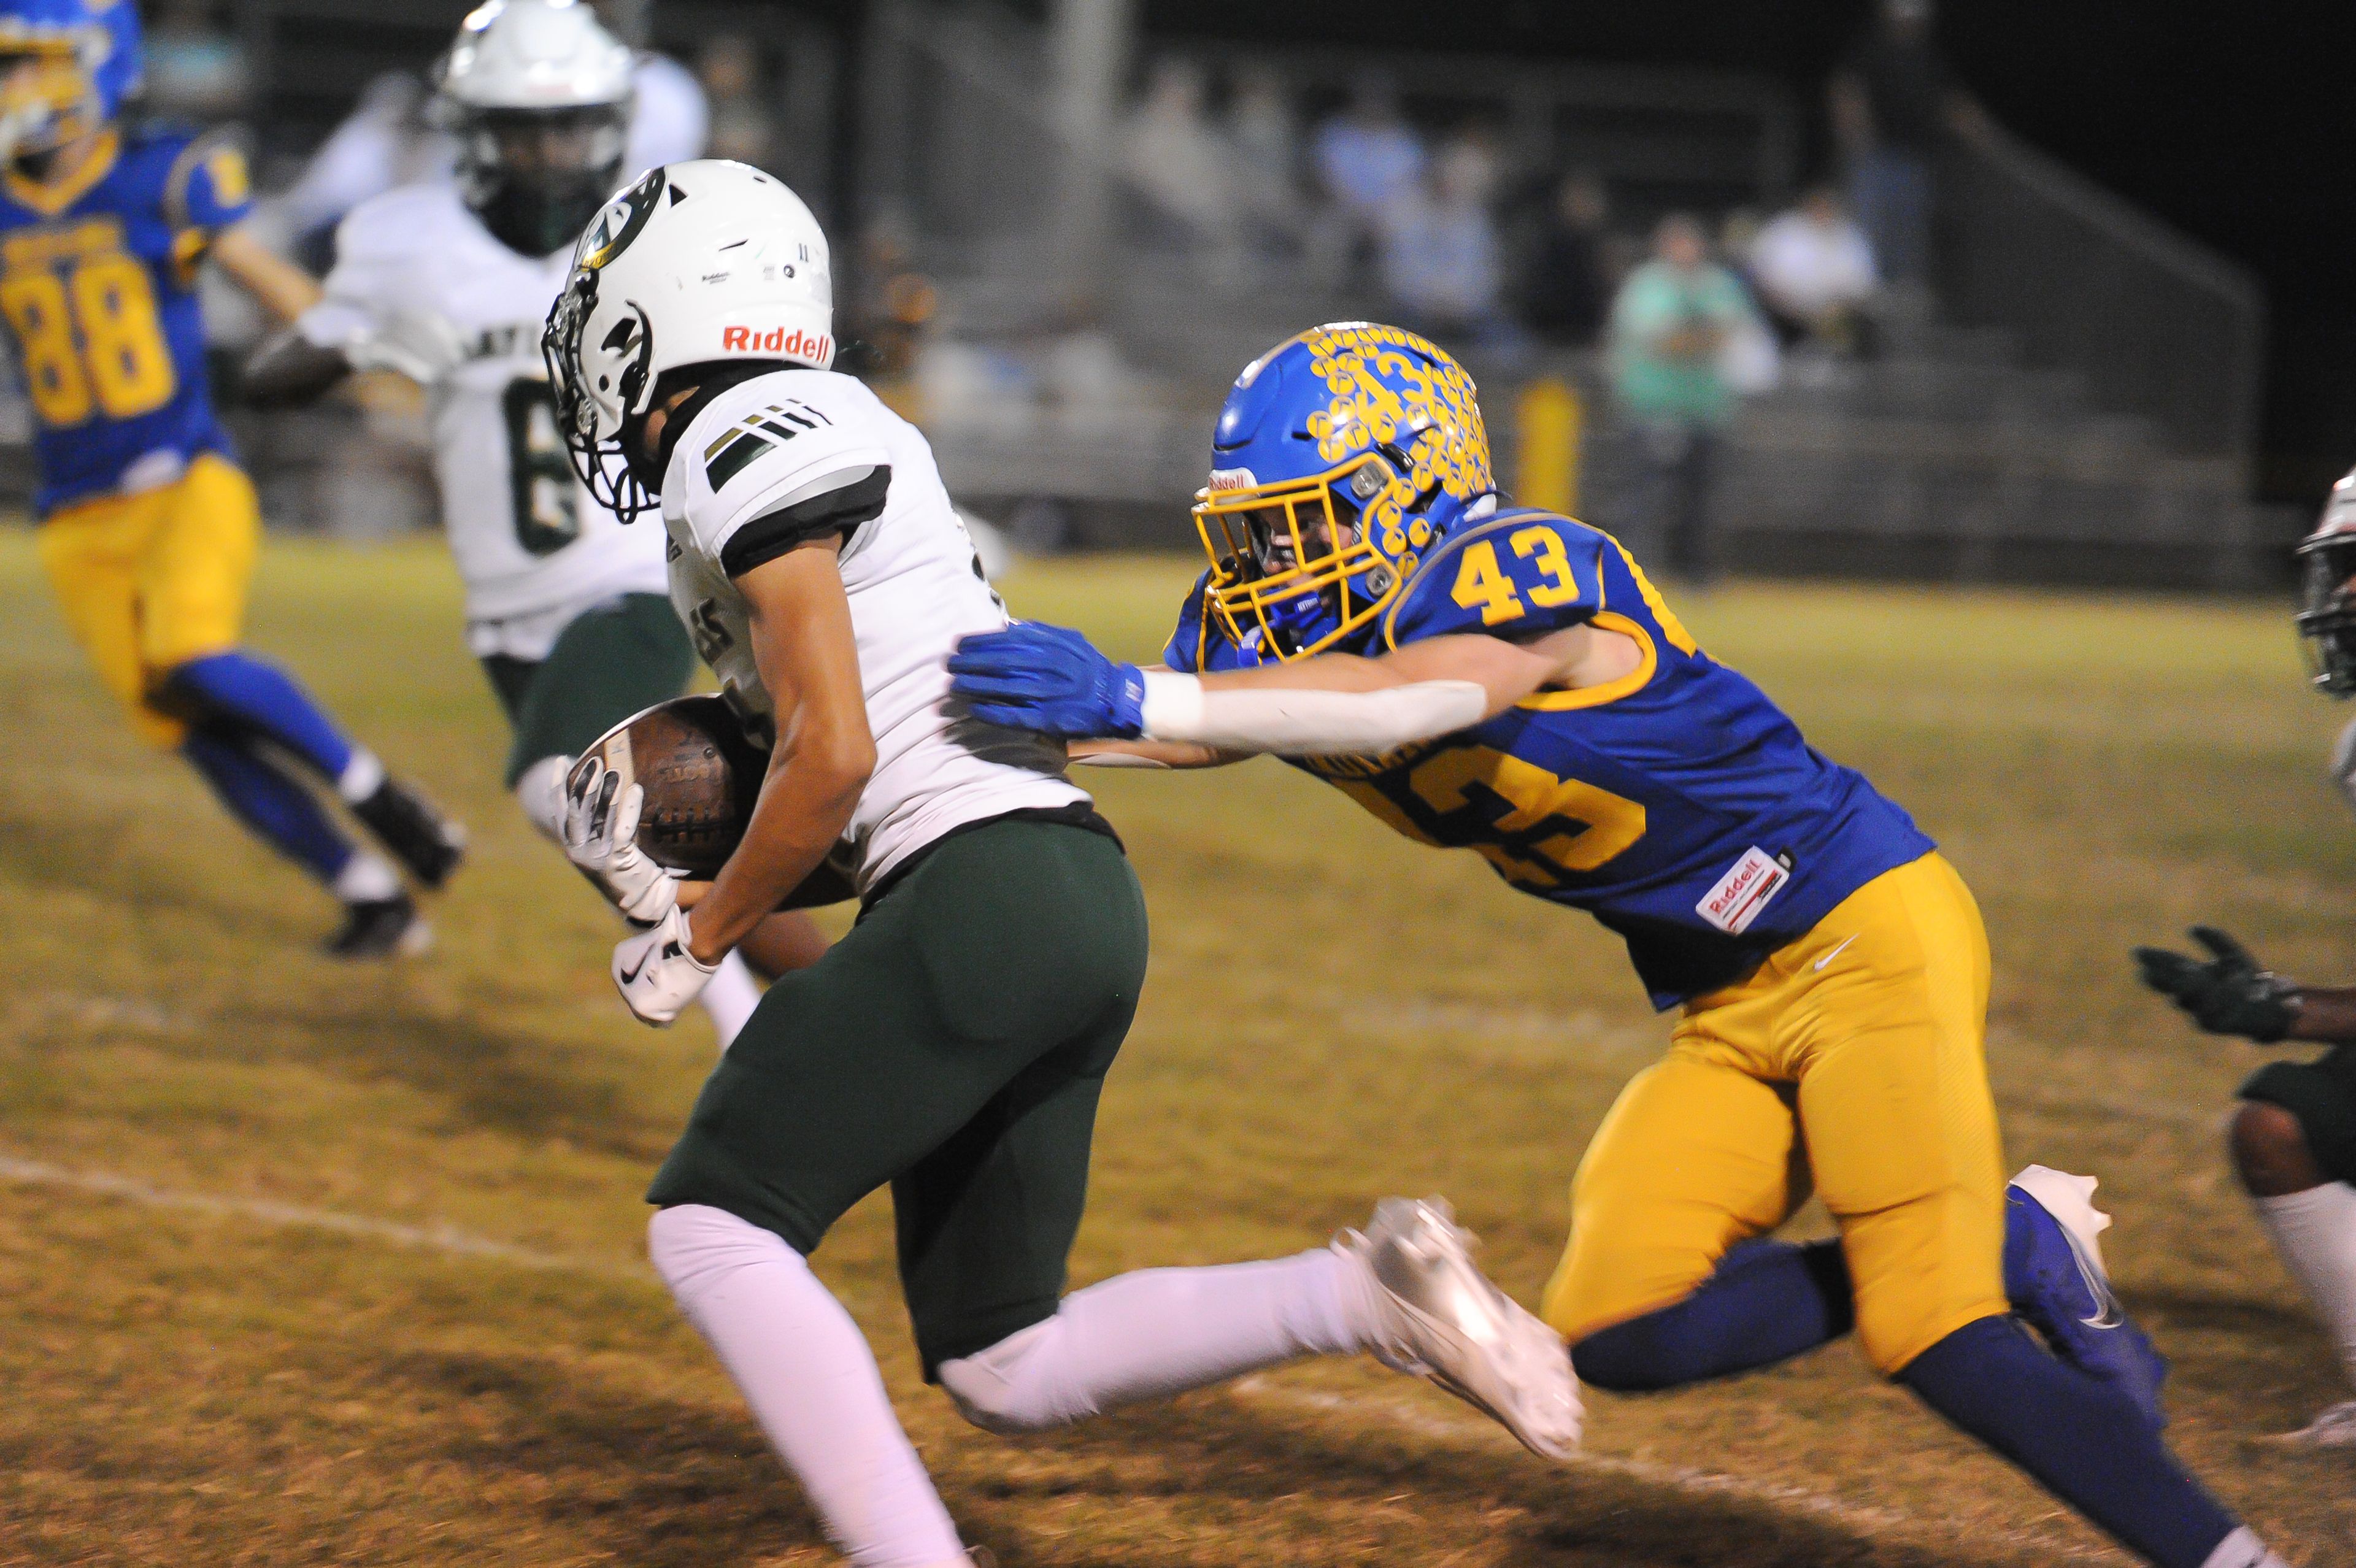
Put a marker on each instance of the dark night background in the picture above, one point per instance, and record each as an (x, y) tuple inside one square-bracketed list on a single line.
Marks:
[(2232, 122)]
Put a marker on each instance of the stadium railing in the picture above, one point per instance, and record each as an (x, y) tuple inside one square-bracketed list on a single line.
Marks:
[(2156, 324)]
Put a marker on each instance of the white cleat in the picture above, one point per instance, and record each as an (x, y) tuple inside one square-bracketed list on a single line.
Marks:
[(1441, 1318), (2335, 1428)]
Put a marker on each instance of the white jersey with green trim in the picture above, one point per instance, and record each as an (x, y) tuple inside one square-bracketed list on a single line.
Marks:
[(527, 537), (786, 442)]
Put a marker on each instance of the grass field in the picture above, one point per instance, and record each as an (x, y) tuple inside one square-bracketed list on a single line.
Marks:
[(308, 1263)]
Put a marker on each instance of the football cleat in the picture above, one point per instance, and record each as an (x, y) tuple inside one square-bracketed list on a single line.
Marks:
[(428, 843), (381, 928), (1441, 1319), (2053, 1272), (2335, 1428)]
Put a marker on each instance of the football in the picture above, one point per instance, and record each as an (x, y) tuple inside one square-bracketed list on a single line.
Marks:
[(700, 773)]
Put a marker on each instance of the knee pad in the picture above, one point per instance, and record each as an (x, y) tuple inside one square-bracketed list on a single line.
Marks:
[(539, 790), (1012, 1386)]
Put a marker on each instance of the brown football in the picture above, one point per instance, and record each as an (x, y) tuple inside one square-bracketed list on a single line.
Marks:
[(700, 773)]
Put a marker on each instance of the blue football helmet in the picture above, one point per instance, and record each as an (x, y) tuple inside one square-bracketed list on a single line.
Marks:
[(1341, 456), (66, 68)]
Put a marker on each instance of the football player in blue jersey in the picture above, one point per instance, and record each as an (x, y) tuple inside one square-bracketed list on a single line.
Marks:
[(1506, 680), (149, 529)]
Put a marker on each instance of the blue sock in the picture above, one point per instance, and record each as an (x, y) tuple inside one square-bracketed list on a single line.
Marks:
[(238, 690), (1768, 1301), (2084, 1441), (275, 805)]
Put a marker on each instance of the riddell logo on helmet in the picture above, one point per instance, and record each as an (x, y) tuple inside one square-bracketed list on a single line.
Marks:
[(801, 345)]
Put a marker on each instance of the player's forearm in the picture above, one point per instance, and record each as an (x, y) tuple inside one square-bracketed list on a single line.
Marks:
[(1507, 671), (1153, 754), (277, 284), (1292, 722), (2327, 1014), (803, 809)]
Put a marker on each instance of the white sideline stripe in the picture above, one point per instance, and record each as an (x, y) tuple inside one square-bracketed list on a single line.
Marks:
[(451, 1241), (447, 1239)]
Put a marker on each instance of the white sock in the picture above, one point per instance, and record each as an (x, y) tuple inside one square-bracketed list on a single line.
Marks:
[(1161, 1331), (2315, 1231), (367, 878), (2243, 1549), (811, 1382), (539, 790), (362, 777), (729, 997)]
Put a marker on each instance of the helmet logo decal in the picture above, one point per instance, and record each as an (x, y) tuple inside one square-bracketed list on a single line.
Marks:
[(619, 224), (1431, 395)]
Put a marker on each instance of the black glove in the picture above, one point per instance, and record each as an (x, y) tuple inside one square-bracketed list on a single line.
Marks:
[(2229, 994)]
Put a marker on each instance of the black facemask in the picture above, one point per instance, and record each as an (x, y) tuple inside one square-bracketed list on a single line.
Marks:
[(537, 204), (547, 215)]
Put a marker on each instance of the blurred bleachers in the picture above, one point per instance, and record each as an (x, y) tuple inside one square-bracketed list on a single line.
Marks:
[(2075, 400), (2076, 404)]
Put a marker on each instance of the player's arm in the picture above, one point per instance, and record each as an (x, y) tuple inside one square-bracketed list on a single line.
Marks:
[(365, 317), (2228, 993), (1505, 671), (802, 644), (1050, 679), (277, 284)]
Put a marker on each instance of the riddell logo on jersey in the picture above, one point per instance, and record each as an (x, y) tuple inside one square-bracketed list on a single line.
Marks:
[(797, 343), (1743, 891)]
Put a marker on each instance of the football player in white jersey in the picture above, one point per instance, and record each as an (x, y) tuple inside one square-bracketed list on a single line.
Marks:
[(2293, 1138), (449, 284), (955, 1043)]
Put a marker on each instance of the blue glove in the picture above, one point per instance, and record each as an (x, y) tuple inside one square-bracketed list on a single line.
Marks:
[(1048, 679)]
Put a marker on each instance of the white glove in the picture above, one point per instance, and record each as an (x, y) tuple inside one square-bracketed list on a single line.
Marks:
[(656, 973), (421, 345), (601, 828)]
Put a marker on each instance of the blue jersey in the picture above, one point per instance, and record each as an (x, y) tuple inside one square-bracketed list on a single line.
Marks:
[(98, 285), (1676, 804)]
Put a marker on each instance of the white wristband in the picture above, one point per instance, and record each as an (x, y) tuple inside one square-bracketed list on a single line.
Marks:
[(1308, 724)]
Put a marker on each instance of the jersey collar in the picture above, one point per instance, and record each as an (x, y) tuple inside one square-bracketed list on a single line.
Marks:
[(48, 199)]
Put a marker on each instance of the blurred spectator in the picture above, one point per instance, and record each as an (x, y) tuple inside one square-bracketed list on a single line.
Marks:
[(1813, 269), (1565, 293), (1440, 261), (1368, 158), (895, 305), (1264, 139), (742, 126), (197, 68), (1175, 161), (1671, 325), (1891, 99)]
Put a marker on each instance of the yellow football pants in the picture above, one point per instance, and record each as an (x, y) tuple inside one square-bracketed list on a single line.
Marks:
[(151, 580), (1855, 1057)]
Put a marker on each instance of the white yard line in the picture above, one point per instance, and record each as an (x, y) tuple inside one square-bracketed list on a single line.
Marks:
[(440, 1238), (1433, 1424)]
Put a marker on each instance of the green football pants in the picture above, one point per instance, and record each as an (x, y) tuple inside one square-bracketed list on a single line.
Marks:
[(953, 1045)]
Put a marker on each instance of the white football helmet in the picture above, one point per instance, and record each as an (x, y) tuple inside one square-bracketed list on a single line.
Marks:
[(696, 263), (539, 97)]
